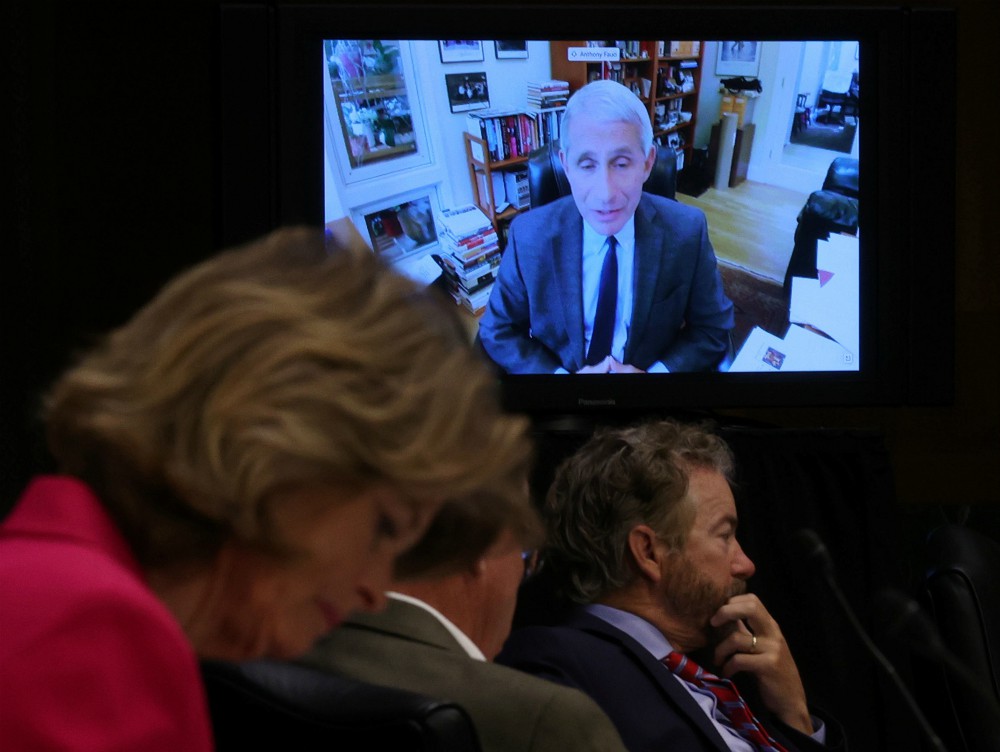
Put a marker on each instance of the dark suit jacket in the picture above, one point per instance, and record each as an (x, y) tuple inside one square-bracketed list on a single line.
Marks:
[(534, 319), (406, 647), (651, 710)]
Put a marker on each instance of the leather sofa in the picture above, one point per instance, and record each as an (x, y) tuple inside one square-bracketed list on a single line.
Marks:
[(833, 208)]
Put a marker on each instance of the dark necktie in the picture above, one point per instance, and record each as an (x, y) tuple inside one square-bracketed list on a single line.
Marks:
[(730, 702), (607, 303)]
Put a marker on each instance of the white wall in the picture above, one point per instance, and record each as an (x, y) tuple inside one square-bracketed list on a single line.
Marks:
[(506, 80)]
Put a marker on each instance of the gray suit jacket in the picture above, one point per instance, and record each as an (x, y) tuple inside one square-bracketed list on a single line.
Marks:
[(406, 647), (534, 319)]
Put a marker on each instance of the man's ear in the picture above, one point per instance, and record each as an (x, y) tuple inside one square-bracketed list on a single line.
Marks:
[(477, 569), (647, 555), (650, 161), (562, 158)]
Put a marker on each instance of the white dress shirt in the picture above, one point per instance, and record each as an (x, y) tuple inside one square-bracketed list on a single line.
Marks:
[(595, 248), (467, 645)]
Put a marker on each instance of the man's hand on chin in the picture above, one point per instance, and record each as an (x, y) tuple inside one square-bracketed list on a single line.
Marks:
[(758, 647)]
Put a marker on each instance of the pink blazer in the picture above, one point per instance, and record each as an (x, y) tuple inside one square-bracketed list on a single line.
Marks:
[(90, 658)]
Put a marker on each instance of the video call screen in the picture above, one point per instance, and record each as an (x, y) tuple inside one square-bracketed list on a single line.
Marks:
[(427, 144)]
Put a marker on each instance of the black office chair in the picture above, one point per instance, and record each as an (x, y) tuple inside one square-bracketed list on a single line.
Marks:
[(961, 593), (547, 179), (274, 705), (837, 105)]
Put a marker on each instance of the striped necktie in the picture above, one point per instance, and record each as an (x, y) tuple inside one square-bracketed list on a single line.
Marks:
[(729, 701)]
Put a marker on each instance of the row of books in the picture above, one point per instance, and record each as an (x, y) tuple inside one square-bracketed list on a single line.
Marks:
[(507, 133), (470, 255), (548, 126), (515, 133), (548, 98)]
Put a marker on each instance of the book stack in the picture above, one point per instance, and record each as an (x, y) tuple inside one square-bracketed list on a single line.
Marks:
[(547, 100), (546, 95), (470, 257)]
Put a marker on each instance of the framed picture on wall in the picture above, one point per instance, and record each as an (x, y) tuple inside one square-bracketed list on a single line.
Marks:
[(467, 91), (511, 49), (738, 59), (460, 50)]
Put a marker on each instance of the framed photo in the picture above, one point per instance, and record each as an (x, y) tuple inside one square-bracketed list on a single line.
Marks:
[(460, 50), (511, 49), (467, 91), (401, 227), (738, 59)]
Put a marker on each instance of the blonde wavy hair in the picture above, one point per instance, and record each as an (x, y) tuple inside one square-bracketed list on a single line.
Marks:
[(285, 363)]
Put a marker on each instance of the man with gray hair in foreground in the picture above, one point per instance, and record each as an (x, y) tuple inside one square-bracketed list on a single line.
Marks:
[(439, 635)]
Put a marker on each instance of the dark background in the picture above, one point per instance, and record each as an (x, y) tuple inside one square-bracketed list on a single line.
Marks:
[(111, 163), (112, 169)]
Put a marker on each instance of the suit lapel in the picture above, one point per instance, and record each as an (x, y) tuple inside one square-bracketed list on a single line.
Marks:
[(650, 250), (567, 265), (673, 692)]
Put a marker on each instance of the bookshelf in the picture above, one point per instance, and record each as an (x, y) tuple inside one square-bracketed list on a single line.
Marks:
[(661, 64), (498, 144), (484, 172)]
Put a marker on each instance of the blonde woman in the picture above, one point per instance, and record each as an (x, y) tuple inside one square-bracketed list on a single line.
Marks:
[(241, 466)]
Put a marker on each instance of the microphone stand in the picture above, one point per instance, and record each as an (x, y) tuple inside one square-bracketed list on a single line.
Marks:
[(905, 618), (816, 552)]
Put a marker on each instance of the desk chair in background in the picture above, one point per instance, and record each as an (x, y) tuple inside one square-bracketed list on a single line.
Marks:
[(803, 113), (839, 98), (274, 705)]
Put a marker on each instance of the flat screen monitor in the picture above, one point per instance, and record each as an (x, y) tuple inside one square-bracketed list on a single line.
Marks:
[(780, 260)]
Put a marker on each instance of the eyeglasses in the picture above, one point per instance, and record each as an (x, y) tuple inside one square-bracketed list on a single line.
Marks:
[(531, 563)]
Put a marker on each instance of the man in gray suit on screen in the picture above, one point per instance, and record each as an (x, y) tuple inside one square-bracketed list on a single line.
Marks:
[(610, 279)]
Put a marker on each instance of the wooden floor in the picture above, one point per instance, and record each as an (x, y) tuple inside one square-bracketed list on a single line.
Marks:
[(751, 226)]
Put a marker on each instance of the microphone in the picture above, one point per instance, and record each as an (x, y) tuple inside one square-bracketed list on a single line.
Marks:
[(904, 618), (815, 552)]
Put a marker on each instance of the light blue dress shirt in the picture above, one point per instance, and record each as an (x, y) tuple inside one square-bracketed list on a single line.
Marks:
[(653, 640)]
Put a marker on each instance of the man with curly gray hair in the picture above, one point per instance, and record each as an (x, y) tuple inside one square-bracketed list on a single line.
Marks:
[(642, 537)]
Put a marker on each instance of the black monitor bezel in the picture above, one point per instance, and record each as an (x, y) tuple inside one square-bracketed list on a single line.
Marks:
[(895, 298)]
